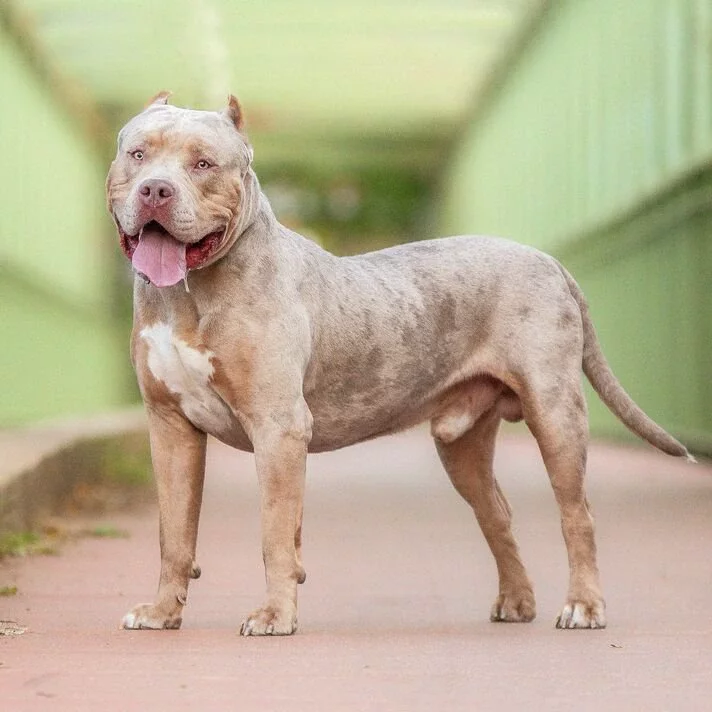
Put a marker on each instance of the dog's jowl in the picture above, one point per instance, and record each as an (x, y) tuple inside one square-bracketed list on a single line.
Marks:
[(247, 331)]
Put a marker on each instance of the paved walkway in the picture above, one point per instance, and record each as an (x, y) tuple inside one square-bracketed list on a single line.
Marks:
[(394, 614)]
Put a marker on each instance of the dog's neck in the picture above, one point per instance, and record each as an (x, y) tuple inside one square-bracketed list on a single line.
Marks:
[(256, 215), (253, 206)]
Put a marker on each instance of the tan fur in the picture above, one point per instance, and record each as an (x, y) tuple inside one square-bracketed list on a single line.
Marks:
[(287, 350), (160, 98)]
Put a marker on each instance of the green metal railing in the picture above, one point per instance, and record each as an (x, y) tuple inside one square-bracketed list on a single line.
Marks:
[(597, 147), (63, 347)]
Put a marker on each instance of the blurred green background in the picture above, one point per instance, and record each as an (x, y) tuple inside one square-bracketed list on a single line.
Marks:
[(583, 127)]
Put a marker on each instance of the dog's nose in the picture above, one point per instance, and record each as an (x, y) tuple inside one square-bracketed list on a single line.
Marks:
[(155, 193)]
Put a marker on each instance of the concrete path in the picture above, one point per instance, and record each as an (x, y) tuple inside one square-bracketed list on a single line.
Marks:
[(394, 614)]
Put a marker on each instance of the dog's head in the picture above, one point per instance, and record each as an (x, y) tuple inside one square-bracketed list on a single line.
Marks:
[(179, 187)]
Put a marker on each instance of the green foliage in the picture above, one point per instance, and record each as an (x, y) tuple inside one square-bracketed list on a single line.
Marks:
[(107, 531), (21, 544), (17, 543), (127, 461), (350, 211)]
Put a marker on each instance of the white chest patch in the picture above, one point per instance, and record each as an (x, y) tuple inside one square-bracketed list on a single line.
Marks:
[(186, 372)]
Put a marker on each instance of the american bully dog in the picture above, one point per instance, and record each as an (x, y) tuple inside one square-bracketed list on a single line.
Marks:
[(247, 331)]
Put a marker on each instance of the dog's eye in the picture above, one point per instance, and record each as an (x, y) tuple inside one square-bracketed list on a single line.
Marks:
[(138, 155), (202, 165)]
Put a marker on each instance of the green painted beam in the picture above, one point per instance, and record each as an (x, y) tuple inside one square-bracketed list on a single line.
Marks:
[(297, 66), (597, 147), (64, 343)]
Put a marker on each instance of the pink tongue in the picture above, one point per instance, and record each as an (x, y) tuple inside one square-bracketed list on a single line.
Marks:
[(160, 258)]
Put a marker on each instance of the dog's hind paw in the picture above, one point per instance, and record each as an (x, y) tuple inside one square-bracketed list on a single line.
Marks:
[(519, 608), (582, 614), (270, 621)]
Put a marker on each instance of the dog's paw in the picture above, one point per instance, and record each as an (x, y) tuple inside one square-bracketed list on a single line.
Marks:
[(517, 607), (150, 617), (270, 621), (583, 614)]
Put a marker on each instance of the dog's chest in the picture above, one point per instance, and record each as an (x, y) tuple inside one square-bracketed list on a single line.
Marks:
[(187, 372)]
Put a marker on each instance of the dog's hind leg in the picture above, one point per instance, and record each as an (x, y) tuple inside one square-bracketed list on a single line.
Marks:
[(556, 414), (301, 572), (468, 461)]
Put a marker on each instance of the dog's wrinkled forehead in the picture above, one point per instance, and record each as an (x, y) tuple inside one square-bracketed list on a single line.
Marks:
[(212, 127)]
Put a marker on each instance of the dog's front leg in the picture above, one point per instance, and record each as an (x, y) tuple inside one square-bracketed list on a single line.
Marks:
[(280, 454), (178, 454)]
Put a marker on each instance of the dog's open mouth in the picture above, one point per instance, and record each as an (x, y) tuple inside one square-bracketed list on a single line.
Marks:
[(162, 259)]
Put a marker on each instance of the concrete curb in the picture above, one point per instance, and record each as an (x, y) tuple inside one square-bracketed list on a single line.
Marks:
[(42, 464)]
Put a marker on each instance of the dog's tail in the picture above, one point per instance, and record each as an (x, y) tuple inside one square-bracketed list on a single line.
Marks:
[(609, 389)]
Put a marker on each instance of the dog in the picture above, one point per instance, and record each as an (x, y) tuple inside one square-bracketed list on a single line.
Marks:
[(249, 332)]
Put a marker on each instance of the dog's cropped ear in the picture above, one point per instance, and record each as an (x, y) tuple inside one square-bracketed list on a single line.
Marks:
[(159, 100), (234, 112)]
